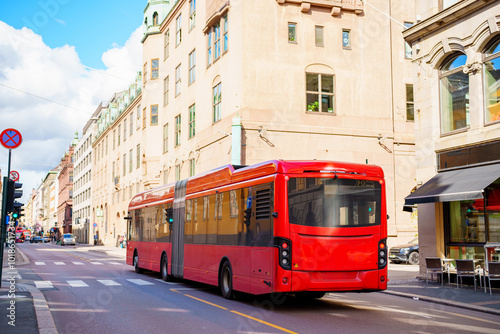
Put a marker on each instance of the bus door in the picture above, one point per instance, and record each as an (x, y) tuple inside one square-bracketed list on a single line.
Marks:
[(178, 229)]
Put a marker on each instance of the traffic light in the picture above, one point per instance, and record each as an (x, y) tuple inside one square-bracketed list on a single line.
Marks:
[(17, 211), (13, 191)]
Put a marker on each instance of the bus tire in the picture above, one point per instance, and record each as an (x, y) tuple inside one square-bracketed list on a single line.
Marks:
[(164, 268), (226, 281), (136, 263)]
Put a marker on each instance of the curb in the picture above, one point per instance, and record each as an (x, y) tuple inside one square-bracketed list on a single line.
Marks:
[(44, 317), (443, 302)]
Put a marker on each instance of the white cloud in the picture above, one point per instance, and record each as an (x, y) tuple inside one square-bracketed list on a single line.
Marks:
[(28, 65)]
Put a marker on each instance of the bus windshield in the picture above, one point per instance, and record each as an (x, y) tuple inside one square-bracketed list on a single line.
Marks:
[(329, 202)]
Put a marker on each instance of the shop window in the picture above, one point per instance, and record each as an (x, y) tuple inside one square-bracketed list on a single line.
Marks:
[(491, 68), (454, 86)]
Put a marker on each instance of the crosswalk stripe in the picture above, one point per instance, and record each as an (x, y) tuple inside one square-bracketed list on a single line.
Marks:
[(60, 263), (139, 281), (97, 263), (43, 284), (114, 263), (78, 263), (108, 282), (40, 263), (77, 284)]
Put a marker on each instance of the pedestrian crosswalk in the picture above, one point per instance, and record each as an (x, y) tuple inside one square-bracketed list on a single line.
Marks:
[(77, 263), (87, 283)]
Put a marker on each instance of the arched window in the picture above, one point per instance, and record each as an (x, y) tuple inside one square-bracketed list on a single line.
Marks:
[(454, 90), (492, 81), (155, 18)]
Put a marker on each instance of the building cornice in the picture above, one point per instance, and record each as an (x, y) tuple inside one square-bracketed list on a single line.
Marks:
[(336, 6), (444, 18)]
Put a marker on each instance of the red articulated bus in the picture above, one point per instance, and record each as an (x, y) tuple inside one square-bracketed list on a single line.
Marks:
[(299, 227)]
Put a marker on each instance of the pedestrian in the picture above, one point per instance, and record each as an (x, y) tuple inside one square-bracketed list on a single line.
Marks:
[(96, 237)]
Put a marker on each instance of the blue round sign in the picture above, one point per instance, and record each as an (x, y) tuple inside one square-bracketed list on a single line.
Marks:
[(11, 138)]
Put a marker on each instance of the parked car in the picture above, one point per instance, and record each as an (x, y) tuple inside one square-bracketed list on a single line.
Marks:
[(68, 239), (405, 253), (36, 239), (45, 239)]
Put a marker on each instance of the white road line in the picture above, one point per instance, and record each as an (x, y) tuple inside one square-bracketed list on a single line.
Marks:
[(43, 284), (97, 263), (60, 263), (139, 281), (160, 280), (40, 263), (78, 263), (77, 284), (114, 263), (108, 282)]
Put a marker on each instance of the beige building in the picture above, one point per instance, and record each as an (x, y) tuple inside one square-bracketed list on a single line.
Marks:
[(456, 57), (243, 82)]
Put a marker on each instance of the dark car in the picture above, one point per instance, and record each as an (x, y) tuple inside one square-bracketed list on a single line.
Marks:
[(407, 253), (36, 239)]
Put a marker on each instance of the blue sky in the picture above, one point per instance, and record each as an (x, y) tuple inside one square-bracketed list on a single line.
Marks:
[(92, 26), (48, 88)]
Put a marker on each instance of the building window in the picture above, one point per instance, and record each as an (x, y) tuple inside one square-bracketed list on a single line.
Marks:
[(177, 172), (155, 18), (138, 155), (138, 120), (454, 91), (492, 81), (192, 14), (209, 52), (145, 73), (178, 80), (408, 52), (318, 32), (346, 39), (216, 41), (166, 44), (155, 65), (131, 123), (130, 161), (410, 113), (124, 130), (292, 32), (177, 130), (165, 138), (154, 115), (114, 139), (192, 115), (119, 134), (192, 66), (226, 29), (191, 167), (124, 164), (217, 98), (144, 118), (178, 30), (320, 93), (165, 90)]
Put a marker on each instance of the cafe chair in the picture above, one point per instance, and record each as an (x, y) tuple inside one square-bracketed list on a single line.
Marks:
[(434, 266), (465, 268), (492, 272)]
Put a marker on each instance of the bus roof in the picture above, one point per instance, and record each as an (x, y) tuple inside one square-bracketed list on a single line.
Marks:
[(228, 174)]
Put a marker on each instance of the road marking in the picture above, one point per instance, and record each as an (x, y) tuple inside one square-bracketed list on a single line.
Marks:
[(473, 318), (43, 284), (162, 281), (204, 301), (77, 284), (40, 263), (78, 263), (116, 263), (264, 322), (139, 281), (108, 282), (60, 263), (96, 263)]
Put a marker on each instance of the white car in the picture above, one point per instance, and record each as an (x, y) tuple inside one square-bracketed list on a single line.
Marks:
[(68, 239)]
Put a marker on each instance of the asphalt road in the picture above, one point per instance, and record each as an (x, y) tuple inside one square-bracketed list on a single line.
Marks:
[(95, 293)]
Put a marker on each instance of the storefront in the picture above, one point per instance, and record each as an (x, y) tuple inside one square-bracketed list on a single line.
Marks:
[(467, 209)]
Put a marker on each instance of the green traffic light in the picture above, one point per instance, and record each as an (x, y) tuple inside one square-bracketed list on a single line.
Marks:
[(15, 215)]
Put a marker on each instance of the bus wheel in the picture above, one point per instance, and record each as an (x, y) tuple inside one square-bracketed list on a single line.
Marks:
[(226, 281), (136, 263), (164, 268)]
